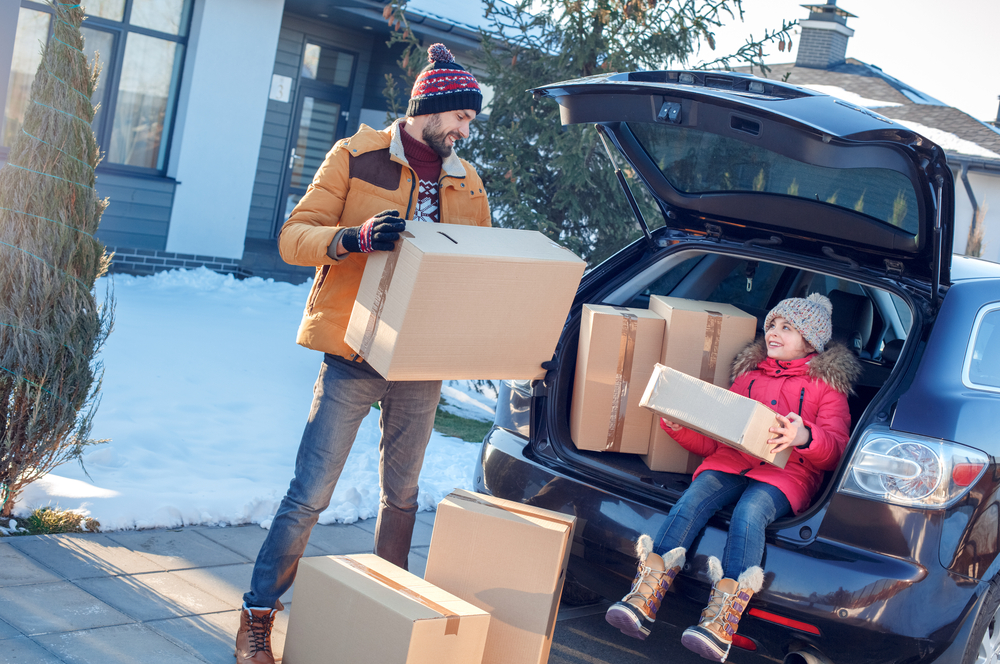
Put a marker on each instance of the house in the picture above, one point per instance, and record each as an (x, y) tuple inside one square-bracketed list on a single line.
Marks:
[(215, 114), (972, 147)]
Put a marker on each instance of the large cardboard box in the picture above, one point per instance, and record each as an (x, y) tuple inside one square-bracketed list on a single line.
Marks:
[(506, 558), (700, 339), (458, 302), (618, 348), (728, 417), (362, 609)]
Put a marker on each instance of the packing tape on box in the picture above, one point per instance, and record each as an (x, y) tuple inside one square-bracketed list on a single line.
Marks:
[(619, 401), (380, 296), (505, 508), (710, 353), (452, 618)]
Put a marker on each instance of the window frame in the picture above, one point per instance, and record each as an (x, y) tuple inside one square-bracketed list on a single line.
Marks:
[(112, 69), (984, 311)]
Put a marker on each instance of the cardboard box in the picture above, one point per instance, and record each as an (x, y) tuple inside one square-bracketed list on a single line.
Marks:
[(728, 417), (700, 339), (506, 558), (360, 609), (458, 302), (617, 351)]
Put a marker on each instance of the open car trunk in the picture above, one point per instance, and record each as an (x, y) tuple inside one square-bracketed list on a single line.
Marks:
[(872, 318)]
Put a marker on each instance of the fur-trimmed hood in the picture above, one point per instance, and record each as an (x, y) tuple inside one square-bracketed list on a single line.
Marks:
[(836, 366)]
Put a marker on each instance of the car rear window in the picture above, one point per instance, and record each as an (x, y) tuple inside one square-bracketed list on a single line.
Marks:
[(982, 365), (698, 162)]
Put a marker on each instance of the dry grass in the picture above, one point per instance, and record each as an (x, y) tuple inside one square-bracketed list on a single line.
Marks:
[(52, 521)]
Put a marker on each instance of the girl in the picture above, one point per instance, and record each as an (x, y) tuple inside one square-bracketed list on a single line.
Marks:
[(792, 371)]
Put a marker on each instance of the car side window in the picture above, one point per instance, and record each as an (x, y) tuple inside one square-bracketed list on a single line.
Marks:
[(666, 283), (983, 363), (748, 287)]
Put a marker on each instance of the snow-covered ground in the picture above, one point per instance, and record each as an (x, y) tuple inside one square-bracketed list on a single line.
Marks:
[(205, 395)]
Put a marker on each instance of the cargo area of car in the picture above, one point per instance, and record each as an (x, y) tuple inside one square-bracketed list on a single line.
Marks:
[(870, 321)]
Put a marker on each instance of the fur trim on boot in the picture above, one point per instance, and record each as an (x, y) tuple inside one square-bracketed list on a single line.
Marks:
[(714, 570), (753, 578), (712, 637), (652, 581), (643, 547)]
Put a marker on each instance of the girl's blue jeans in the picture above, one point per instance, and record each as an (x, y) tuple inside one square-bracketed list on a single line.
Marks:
[(757, 505)]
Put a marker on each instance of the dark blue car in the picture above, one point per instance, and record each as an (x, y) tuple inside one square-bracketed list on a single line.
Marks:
[(767, 191)]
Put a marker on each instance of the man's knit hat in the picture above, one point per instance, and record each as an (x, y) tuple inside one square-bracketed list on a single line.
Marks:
[(444, 85), (811, 316)]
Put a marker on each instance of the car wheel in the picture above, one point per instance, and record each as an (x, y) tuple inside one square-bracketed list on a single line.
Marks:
[(984, 644)]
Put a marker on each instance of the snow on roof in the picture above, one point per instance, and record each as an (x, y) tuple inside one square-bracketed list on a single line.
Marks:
[(848, 96), (949, 141), (469, 15)]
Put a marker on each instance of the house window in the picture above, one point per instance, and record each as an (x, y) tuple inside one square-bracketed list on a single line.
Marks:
[(140, 47)]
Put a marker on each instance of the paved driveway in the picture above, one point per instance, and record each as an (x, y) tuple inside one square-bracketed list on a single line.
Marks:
[(174, 595)]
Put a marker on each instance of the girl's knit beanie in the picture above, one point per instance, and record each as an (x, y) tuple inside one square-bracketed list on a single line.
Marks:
[(811, 316)]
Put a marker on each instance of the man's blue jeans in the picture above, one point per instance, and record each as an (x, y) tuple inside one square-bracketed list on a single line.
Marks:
[(342, 397), (757, 505)]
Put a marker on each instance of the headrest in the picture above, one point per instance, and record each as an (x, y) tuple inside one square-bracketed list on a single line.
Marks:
[(892, 350), (853, 316)]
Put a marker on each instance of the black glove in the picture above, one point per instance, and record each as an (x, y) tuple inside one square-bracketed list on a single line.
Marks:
[(377, 234)]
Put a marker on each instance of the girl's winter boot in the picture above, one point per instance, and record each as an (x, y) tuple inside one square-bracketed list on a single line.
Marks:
[(652, 581), (713, 635)]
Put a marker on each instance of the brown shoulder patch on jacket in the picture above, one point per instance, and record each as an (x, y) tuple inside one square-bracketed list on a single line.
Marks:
[(376, 169)]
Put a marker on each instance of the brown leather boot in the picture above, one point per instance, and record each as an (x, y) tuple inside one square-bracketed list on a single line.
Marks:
[(253, 641), (713, 635), (652, 581)]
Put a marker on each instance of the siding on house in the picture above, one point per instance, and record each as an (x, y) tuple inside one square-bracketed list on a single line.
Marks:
[(139, 211)]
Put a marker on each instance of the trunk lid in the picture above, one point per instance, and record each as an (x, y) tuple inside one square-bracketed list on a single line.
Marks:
[(745, 158)]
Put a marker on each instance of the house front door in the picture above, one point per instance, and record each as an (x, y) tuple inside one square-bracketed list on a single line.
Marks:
[(322, 106)]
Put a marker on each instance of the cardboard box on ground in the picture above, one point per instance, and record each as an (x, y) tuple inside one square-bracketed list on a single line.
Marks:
[(506, 558), (618, 348), (728, 417), (361, 608), (700, 339), (456, 302)]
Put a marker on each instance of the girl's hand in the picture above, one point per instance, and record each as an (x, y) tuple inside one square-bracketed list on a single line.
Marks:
[(791, 432), (673, 426)]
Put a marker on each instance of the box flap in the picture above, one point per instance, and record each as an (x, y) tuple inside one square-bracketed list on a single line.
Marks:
[(504, 243)]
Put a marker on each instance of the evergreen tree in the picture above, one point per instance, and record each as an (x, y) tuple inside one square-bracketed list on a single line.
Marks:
[(51, 326), (540, 175)]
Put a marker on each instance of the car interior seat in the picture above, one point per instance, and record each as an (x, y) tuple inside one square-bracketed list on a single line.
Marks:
[(853, 317)]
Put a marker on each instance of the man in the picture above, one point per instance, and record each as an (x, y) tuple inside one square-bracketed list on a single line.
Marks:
[(366, 188)]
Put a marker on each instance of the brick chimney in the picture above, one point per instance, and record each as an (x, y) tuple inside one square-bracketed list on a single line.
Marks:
[(823, 42)]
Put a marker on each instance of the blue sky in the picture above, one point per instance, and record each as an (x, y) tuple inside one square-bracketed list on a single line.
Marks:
[(948, 50)]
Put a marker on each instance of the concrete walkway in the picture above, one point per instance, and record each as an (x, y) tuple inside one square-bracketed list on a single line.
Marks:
[(173, 596), (147, 596)]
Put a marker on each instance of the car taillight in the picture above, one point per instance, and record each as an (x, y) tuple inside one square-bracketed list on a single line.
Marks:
[(905, 469)]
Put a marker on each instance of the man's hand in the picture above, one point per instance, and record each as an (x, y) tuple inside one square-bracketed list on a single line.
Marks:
[(377, 234), (791, 432)]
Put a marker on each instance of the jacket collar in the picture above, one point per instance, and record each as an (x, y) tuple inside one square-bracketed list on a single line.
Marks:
[(836, 366), (451, 165)]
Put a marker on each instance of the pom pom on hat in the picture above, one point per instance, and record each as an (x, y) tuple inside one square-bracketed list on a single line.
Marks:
[(811, 316), (439, 53), (444, 85)]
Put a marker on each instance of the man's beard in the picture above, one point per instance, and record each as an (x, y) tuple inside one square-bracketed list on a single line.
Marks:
[(437, 139)]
